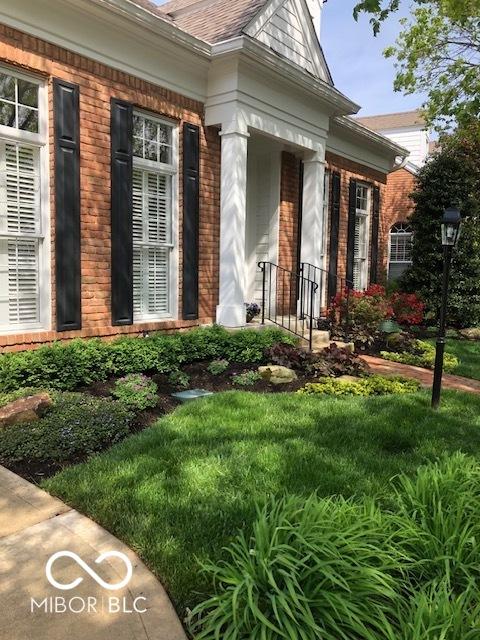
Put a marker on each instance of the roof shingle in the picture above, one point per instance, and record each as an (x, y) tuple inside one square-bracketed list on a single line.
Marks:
[(212, 21), (389, 121)]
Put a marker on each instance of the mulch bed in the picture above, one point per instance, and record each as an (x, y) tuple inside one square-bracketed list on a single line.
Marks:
[(200, 378)]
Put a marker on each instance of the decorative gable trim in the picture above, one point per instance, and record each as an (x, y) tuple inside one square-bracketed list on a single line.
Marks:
[(285, 26)]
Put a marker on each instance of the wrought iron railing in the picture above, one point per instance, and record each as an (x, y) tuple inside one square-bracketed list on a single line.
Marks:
[(288, 300), (326, 281)]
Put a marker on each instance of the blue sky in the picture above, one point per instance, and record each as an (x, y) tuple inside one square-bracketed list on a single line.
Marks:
[(356, 61)]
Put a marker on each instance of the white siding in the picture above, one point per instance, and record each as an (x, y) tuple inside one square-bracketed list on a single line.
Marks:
[(413, 139), (284, 34)]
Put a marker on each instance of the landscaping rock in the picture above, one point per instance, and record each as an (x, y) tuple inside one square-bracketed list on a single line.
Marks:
[(470, 334), (276, 374), (348, 378), (26, 409)]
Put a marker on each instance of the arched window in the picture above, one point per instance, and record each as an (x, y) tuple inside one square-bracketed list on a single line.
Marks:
[(400, 250)]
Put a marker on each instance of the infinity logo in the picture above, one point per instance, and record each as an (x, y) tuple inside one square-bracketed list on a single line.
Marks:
[(87, 569)]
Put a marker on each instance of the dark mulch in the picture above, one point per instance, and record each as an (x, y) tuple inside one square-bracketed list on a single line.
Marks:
[(200, 378)]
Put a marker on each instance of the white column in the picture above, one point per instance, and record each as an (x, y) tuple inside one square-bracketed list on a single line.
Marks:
[(313, 224), (233, 215)]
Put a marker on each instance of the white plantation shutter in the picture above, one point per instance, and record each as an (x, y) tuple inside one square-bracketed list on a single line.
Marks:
[(20, 235), (152, 243), (360, 260)]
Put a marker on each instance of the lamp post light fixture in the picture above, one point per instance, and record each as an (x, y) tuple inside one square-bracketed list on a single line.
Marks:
[(450, 234)]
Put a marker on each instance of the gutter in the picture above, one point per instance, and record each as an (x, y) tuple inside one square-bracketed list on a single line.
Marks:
[(372, 136)]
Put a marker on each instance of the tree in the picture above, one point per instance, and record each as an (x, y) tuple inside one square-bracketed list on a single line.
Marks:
[(451, 177), (437, 53)]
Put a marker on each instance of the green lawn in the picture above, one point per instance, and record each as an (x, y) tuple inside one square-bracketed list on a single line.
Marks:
[(178, 491), (468, 352)]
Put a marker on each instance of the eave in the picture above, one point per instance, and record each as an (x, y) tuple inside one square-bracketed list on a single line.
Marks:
[(377, 139)]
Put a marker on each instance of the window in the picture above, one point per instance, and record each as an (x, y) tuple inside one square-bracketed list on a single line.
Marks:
[(326, 206), (22, 204), (401, 236), (154, 172), (362, 224)]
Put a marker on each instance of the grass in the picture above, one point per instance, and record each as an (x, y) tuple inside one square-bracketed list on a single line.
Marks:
[(179, 491), (468, 352)]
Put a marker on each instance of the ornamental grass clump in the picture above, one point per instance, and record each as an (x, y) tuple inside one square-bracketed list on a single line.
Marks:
[(320, 568), (335, 569), (136, 391)]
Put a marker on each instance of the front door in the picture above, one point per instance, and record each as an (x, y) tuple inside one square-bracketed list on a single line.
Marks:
[(263, 203)]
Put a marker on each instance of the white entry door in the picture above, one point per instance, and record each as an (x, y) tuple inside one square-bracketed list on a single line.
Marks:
[(263, 204)]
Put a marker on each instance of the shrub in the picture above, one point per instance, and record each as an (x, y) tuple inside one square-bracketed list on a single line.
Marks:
[(424, 357), (371, 386), (136, 391), (338, 361), (76, 425), (66, 366), (218, 367), (246, 379), (407, 308), (287, 355), (179, 379), (331, 568)]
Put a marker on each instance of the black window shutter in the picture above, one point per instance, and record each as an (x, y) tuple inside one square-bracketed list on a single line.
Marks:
[(352, 212), (375, 232), (334, 234), (191, 195), (67, 206), (121, 214)]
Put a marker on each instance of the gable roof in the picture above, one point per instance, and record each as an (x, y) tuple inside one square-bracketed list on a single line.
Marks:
[(385, 122), (211, 20)]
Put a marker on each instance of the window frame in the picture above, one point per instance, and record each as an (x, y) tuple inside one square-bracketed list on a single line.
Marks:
[(172, 170), (399, 234), (41, 142), (366, 215)]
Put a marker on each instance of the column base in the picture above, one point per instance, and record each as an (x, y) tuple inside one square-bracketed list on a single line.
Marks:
[(233, 315)]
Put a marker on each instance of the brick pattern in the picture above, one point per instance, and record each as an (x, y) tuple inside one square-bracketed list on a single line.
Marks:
[(397, 207), (349, 170), (98, 84)]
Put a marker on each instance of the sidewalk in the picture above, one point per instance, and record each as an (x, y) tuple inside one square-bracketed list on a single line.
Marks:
[(34, 526), (424, 376)]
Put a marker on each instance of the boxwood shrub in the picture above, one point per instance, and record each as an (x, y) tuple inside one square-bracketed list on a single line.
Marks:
[(66, 366), (76, 425)]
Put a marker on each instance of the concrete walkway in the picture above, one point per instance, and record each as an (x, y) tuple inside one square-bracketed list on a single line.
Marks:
[(33, 527), (424, 376)]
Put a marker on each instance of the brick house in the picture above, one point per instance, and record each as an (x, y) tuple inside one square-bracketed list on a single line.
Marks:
[(408, 129), (151, 157)]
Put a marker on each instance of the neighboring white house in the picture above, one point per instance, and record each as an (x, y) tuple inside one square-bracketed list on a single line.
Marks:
[(407, 129)]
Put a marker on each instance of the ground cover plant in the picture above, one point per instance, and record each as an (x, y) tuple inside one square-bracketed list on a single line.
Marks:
[(180, 491), (369, 386), (421, 354), (333, 568), (76, 426), (136, 391)]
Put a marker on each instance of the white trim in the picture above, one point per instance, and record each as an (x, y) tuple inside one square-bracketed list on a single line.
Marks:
[(171, 170), (39, 140)]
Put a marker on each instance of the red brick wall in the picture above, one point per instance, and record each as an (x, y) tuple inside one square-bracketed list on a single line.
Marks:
[(349, 170), (98, 84), (289, 201), (397, 207)]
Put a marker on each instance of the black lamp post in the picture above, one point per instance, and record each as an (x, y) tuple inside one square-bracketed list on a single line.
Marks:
[(450, 234)]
